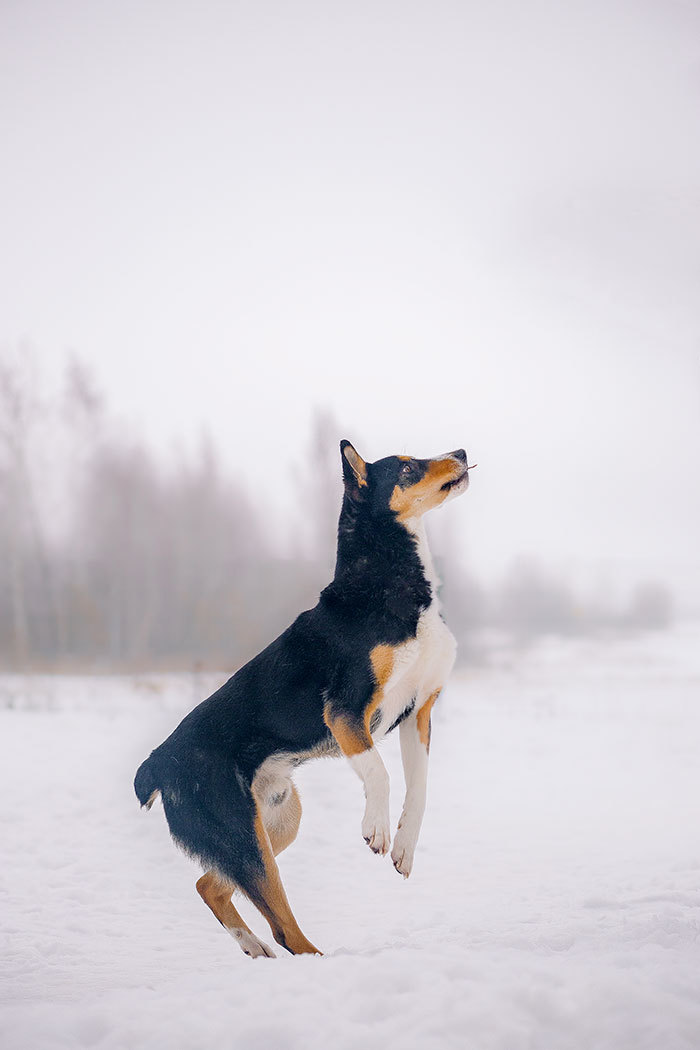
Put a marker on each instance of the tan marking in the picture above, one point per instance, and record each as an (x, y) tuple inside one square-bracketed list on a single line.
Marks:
[(216, 893), (357, 464), (268, 895), (426, 493), (423, 719), (352, 736), (382, 661)]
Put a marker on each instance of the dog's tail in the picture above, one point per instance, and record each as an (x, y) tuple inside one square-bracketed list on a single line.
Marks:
[(210, 809), (145, 784)]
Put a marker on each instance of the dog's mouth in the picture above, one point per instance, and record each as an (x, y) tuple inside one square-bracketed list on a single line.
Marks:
[(457, 481)]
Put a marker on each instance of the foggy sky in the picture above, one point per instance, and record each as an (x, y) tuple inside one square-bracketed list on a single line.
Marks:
[(452, 224)]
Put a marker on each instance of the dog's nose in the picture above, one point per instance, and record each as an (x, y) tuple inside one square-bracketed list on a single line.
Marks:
[(460, 454)]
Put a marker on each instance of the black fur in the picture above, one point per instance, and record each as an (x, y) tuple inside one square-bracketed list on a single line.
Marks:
[(275, 703)]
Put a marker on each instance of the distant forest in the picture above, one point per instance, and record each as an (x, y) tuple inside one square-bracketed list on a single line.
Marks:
[(113, 561)]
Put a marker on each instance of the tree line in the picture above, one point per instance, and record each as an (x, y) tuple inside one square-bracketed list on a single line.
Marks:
[(112, 560)]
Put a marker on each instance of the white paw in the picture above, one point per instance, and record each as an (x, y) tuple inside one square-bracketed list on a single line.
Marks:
[(402, 853), (250, 945), (376, 832)]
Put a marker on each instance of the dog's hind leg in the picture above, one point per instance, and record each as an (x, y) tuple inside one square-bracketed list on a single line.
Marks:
[(278, 804), (267, 894), (230, 835), (281, 815), (216, 893)]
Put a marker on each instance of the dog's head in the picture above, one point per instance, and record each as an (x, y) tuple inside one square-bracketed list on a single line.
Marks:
[(407, 486)]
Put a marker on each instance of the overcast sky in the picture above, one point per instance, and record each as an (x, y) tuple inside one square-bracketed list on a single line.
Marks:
[(451, 224)]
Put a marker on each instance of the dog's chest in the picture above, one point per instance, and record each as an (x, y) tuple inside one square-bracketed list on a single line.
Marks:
[(422, 664)]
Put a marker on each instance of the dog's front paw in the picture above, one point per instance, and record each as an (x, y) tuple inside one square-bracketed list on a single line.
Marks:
[(402, 853), (376, 833)]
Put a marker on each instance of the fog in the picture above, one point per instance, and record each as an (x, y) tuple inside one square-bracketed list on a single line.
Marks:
[(233, 232), (432, 226)]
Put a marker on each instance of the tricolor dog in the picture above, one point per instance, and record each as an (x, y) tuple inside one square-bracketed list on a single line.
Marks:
[(373, 654)]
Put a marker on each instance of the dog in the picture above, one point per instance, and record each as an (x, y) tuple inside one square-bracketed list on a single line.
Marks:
[(373, 654)]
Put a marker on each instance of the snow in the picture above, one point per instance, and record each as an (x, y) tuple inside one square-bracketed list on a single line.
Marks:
[(554, 901)]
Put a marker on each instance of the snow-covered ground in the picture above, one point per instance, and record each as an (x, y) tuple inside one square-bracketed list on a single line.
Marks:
[(554, 902)]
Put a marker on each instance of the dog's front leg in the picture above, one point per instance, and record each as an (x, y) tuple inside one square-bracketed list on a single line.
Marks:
[(355, 742), (376, 828), (414, 733)]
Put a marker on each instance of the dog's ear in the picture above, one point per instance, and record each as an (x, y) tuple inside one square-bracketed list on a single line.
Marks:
[(354, 467)]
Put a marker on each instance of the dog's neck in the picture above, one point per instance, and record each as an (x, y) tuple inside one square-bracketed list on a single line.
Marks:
[(382, 564), (416, 527)]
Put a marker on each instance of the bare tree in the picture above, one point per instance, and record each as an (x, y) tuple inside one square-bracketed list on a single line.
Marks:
[(320, 491), (27, 561), (650, 607)]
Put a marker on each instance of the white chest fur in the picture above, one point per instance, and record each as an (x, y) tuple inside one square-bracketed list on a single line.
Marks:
[(422, 664)]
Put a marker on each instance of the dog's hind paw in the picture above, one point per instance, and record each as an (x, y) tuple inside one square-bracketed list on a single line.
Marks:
[(251, 945)]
